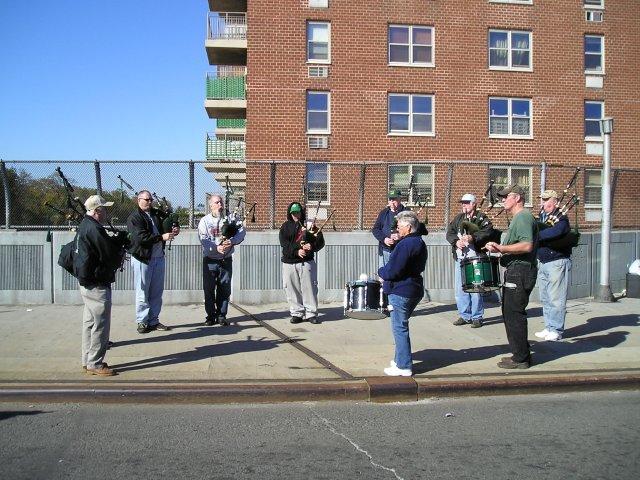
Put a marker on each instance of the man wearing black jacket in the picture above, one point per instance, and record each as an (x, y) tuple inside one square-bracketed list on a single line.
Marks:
[(148, 238), (96, 260), (299, 270), (384, 228)]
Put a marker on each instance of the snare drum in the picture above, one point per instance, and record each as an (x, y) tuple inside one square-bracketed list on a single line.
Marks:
[(480, 274), (364, 300)]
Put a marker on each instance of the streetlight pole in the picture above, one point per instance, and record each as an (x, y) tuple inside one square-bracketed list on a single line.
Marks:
[(604, 292)]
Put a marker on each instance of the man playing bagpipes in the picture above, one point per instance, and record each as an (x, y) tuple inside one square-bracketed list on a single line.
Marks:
[(467, 234), (219, 233)]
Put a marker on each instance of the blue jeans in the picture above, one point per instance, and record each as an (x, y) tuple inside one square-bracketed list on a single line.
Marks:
[(148, 281), (216, 283), (402, 309), (553, 283), (470, 305), (383, 258)]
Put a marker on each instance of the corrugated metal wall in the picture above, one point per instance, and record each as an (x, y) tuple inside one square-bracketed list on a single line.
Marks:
[(22, 267)]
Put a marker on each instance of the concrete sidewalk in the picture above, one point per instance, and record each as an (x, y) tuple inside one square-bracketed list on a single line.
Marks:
[(40, 351)]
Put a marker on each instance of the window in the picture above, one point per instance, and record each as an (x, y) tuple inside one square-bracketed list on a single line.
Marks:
[(510, 117), (410, 114), (422, 191), (593, 54), (318, 3), (318, 109), (593, 113), (593, 3), (504, 176), (319, 42), (410, 45), (593, 188), (317, 182), (509, 50)]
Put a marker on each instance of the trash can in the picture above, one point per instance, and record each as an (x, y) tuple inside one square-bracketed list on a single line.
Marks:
[(633, 285)]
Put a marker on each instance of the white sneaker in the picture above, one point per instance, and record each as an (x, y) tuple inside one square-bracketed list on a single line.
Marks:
[(393, 364), (542, 334), (553, 337), (390, 308), (398, 372)]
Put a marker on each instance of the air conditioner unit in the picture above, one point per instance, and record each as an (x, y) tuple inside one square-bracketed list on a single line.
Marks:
[(593, 16), (319, 3), (319, 72), (318, 142)]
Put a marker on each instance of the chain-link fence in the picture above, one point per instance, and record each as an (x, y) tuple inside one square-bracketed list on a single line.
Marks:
[(350, 195)]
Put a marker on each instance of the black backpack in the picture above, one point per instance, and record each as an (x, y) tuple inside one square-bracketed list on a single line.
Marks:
[(68, 251)]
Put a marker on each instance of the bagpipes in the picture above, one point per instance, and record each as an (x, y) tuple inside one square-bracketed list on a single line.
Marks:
[(572, 237), (310, 234), (234, 220), (480, 218)]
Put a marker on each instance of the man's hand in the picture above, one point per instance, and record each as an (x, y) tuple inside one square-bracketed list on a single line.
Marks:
[(461, 244), (302, 253), (175, 231), (224, 247), (167, 236), (306, 246), (389, 241), (493, 247)]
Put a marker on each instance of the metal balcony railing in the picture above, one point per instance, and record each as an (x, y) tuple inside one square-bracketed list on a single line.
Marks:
[(231, 123), (226, 82), (227, 26), (225, 147)]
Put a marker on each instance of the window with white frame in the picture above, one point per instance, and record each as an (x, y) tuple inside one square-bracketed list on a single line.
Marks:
[(318, 42), (410, 45), (410, 114), (593, 54), (422, 191), (593, 113), (504, 176), (317, 175), (593, 3), (593, 188), (318, 112), (510, 117), (509, 50)]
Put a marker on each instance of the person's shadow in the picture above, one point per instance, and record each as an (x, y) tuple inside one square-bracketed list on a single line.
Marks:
[(201, 353)]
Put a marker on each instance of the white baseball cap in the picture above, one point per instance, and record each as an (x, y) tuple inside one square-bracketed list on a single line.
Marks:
[(468, 197), (95, 201)]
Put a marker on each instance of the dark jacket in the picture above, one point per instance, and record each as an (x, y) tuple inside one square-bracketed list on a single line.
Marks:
[(291, 237), (547, 254), (142, 236), (383, 227), (484, 234), (402, 275), (98, 256)]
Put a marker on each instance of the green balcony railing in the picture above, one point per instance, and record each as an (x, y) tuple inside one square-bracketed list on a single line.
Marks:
[(226, 84), (225, 147), (231, 123)]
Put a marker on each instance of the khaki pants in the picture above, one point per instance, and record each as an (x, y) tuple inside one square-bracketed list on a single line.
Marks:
[(96, 323), (300, 281)]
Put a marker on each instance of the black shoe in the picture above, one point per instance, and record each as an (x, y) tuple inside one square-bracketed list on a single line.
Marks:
[(143, 328), (160, 326), (296, 320), (224, 322), (460, 321), (315, 320), (476, 323), (210, 322), (510, 364)]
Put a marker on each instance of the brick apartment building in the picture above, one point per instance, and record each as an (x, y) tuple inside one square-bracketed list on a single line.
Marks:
[(352, 98)]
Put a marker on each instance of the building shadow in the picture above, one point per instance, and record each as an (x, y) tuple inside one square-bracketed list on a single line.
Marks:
[(201, 353)]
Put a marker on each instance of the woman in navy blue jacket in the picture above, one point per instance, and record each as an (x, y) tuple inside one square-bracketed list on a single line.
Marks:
[(404, 285)]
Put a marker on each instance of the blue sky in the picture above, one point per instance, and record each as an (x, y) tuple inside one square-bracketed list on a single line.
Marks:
[(106, 80)]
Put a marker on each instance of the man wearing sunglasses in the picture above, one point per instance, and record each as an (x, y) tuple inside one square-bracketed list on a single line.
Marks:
[(147, 259)]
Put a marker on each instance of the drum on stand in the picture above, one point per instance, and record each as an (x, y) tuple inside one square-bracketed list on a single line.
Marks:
[(364, 300), (480, 274)]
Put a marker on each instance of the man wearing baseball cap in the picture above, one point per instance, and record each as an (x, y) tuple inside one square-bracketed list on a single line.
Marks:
[(519, 257), (97, 257), (384, 228), (554, 265), (466, 242)]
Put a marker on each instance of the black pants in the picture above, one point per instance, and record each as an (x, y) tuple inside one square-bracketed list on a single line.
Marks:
[(514, 304), (216, 283)]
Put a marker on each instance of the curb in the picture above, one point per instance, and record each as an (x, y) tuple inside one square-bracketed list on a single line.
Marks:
[(369, 389)]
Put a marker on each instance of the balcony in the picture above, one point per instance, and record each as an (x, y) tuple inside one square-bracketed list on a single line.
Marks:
[(238, 125), (225, 147), (226, 94), (228, 5), (226, 42)]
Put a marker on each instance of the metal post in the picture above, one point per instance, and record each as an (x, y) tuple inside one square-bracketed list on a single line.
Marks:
[(604, 292), (96, 166), (363, 169), (7, 195), (543, 177), (272, 213), (192, 193), (447, 196)]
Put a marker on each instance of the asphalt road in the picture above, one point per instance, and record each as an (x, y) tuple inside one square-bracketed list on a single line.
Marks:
[(559, 436)]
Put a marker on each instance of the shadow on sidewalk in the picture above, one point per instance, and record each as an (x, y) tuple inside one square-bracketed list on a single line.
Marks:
[(434, 358), (201, 353), (548, 351), (599, 324)]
